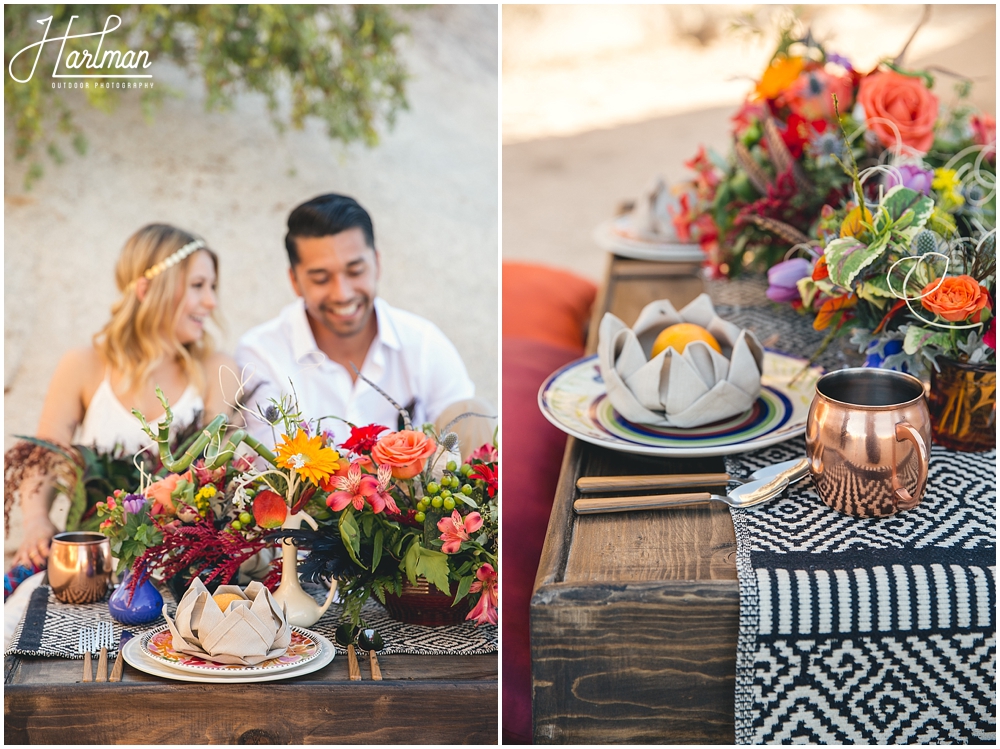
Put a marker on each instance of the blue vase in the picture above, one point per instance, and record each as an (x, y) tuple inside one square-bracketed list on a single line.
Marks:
[(144, 606)]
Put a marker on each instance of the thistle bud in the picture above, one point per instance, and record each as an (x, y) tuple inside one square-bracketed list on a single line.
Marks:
[(450, 442)]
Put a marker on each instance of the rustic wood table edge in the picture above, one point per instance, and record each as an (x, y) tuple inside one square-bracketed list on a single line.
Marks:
[(629, 646)]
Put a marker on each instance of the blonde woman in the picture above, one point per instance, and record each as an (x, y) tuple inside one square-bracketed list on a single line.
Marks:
[(155, 338)]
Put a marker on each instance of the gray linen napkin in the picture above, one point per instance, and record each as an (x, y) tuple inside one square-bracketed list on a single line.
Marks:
[(690, 389), (249, 631)]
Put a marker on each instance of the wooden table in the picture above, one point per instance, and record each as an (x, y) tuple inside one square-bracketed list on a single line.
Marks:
[(634, 617), (422, 699)]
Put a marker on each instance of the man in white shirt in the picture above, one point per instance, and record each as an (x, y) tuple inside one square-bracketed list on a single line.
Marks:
[(338, 321)]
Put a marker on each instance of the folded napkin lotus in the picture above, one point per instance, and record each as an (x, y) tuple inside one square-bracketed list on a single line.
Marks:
[(251, 629), (689, 389)]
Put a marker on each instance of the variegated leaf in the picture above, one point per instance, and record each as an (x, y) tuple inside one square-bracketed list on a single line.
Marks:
[(908, 209), (917, 338), (847, 257)]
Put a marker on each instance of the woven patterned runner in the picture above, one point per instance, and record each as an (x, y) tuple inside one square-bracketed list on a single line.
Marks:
[(49, 628), (873, 631)]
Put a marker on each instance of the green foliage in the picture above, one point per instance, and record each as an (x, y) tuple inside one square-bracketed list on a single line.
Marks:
[(338, 63), (427, 563)]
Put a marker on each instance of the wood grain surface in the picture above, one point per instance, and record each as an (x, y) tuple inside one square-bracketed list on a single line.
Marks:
[(635, 616), (422, 699), (635, 663)]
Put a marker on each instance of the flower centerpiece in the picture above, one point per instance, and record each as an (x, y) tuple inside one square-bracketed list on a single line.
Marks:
[(907, 266), (383, 509), (747, 209), (404, 511)]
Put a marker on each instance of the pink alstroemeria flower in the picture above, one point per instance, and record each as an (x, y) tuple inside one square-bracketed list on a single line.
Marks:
[(356, 488), (377, 491), (488, 582), (455, 530)]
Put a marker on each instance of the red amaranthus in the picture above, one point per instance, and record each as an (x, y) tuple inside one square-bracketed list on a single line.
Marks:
[(198, 548)]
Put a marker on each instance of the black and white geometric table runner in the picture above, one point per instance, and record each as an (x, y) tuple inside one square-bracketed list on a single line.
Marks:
[(872, 631), (50, 628)]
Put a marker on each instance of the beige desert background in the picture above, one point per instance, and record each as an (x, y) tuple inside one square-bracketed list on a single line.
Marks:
[(431, 186)]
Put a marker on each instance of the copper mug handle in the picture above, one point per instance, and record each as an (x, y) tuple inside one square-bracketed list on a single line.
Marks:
[(904, 500)]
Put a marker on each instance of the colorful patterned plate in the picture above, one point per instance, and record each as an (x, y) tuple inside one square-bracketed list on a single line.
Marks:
[(138, 658), (574, 400), (158, 644)]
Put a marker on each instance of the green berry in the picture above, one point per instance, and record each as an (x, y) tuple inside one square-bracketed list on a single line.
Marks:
[(467, 490), (445, 494), (452, 465), (433, 488), (465, 470), (421, 506), (420, 516), (236, 525), (437, 502), (246, 518), (449, 504)]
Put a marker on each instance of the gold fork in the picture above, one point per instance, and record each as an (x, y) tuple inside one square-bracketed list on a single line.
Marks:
[(85, 644), (105, 639)]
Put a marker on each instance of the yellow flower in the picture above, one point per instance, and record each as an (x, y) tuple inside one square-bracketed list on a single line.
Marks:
[(201, 499), (948, 185), (779, 76), (307, 457)]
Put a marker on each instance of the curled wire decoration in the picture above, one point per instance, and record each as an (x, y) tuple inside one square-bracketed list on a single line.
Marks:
[(908, 299), (809, 248), (898, 148)]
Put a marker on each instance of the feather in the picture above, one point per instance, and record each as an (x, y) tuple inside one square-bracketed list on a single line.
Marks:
[(781, 157), (786, 231), (757, 176)]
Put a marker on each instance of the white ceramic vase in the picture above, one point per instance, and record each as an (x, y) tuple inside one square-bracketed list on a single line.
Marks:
[(301, 609)]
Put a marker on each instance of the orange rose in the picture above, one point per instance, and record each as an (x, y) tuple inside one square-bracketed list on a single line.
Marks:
[(956, 299), (906, 103), (406, 452), (160, 491)]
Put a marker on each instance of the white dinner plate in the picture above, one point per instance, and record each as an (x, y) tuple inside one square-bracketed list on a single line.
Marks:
[(608, 238), (574, 400), (135, 656), (158, 645)]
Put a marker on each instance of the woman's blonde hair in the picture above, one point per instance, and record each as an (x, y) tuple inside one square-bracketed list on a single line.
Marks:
[(141, 334)]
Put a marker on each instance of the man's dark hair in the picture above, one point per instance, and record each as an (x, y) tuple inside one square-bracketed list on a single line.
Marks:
[(326, 215)]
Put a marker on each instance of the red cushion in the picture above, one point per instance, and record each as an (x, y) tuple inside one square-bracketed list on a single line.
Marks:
[(546, 304), (532, 454)]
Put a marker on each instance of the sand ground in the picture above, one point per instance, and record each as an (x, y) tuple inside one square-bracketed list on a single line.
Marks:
[(431, 187), (597, 100)]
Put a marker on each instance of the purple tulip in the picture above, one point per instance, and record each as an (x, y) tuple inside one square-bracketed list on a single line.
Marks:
[(914, 178), (782, 279), (133, 503)]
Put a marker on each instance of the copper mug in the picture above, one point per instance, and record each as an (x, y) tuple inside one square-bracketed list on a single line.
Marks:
[(868, 438), (79, 566)]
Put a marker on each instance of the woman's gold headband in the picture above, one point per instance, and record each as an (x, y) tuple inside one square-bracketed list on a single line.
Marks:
[(172, 260)]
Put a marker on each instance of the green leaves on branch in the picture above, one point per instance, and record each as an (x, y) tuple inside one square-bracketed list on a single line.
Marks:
[(427, 563), (335, 62)]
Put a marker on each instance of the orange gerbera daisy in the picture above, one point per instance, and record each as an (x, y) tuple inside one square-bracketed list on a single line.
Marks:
[(307, 457)]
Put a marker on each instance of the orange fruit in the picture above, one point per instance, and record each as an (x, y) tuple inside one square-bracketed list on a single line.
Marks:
[(680, 335), (224, 599)]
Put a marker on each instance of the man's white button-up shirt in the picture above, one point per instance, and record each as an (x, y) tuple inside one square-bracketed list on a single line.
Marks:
[(410, 359)]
